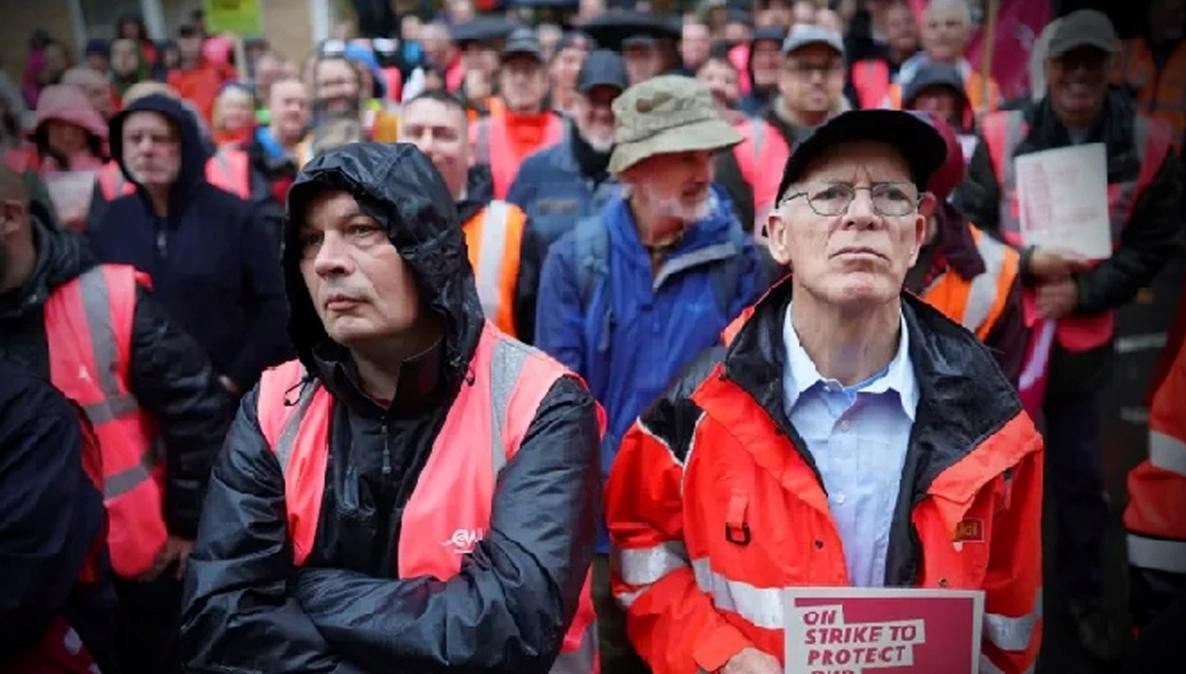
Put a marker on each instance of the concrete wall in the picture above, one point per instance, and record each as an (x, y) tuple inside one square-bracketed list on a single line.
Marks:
[(20, 18)]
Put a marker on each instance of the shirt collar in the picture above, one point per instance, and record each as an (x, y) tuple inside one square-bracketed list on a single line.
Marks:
[(897, 376)]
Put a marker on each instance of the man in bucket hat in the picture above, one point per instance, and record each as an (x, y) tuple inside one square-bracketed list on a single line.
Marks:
[(630, 296)]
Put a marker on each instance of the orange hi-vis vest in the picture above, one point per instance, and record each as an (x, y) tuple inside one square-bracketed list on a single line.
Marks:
[(977, 303), (228, 169), (455, 491), (493, 145), (1161, 94), (761, 156), (709, 529), (1003, 132), (871, 80), (494, 238), (1157, 486), (88, 324)]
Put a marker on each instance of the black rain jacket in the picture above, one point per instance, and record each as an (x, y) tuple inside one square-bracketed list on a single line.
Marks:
[(247, 607), (170, 375)]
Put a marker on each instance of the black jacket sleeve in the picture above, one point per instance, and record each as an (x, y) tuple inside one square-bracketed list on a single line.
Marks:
[(1151, 236), (173, 380), (50, 512), (527, 285), (978, 197), (238, 614), (508, 607), (1007, 339), (266, 340)]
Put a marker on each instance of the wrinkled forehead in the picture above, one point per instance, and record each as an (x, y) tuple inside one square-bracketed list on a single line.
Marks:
[(857, 162)]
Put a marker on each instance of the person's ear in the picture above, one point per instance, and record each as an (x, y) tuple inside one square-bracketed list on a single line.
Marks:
[(777, 239), (13, 212), (927, 204)]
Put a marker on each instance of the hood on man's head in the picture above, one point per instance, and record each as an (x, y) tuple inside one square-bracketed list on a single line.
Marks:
[(194, 153), (398, 186)]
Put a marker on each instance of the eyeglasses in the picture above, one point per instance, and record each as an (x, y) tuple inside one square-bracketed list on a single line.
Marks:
[(831, 199)]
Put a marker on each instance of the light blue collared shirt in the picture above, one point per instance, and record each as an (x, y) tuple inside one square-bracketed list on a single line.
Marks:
[(858, 436)]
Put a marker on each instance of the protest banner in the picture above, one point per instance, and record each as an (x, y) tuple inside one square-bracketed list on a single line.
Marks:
[(1063, 200), (882, 630)]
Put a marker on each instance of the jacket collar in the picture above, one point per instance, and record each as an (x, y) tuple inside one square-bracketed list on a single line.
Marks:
[(417, 389)]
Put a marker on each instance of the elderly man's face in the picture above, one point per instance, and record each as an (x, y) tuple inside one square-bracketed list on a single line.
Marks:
[(945, 33), (151, 149), (360, 287), (1077, 84), (337, 85), (594, 115), (812, 79), (523, 83), (673, 185), (858, 256)]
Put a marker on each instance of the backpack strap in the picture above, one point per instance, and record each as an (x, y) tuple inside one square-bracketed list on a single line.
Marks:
[(727, 277)]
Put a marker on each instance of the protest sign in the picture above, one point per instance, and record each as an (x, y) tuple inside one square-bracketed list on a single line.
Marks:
[(882, 630), (1063, 197), (71, 193)]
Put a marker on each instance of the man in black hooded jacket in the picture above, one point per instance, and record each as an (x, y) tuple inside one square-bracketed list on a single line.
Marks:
[(369, 512), (210, 254)]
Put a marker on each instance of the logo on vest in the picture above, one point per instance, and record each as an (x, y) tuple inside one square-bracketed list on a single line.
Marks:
[(970, 530), (463, 540), (83, 375)]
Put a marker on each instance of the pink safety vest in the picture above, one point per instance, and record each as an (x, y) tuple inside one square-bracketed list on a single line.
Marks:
[(453, 497), (761, 157), (493, 145)]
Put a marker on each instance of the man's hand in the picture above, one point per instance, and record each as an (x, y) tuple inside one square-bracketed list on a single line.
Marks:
[(1050, 264), (752, 661), (175, 550), (1057, 299)]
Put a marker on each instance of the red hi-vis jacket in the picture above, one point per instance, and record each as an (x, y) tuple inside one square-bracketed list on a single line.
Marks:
[(493, 144), (1157, 486), (1003, 133), (88, 324), (227, 169), (481, 433), (714, 505)]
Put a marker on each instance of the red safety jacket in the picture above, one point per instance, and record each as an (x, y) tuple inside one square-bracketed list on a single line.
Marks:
[(1003, 132), (714, 508), (492, 141), (88, 324), (494, 239), (482, 431), (228, 169)]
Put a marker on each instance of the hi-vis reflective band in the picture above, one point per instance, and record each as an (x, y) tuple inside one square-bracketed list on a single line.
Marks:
[(581, 660), (645, 566), (983, 293), (1167, 453), (1157, 553), (491, 257), (1013, 633), (989, 667), (760, 606), (115, 404)]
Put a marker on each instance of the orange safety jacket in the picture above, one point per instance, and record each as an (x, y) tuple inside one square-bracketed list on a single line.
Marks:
[(88, 324), (493, 145), (1157, 486), (481, 433), (713, 510), (494, 238), (871, 80), (227, 169), (1003, 132), (761, 156), (977, 303), (1160, 93)]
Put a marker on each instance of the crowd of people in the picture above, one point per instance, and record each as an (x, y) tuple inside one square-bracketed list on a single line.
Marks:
[(498, 346)]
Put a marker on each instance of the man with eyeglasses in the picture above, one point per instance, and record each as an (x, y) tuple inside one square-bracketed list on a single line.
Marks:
[(844, 438), (810, 84)]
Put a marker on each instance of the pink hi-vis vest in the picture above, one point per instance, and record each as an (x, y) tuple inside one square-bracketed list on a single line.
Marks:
[(1003, 132), (454, 494), (88, 326)]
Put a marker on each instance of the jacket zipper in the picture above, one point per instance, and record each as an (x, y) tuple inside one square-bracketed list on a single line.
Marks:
[(386, 454)]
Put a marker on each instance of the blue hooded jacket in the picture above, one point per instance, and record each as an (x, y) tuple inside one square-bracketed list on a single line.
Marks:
[(631, 332)]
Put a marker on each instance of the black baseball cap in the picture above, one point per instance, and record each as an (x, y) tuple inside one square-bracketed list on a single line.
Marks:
[(602, 68), (918, 142), (523, 41), (933, 74)]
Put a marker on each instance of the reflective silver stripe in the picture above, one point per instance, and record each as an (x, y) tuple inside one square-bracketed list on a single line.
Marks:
[(579, 661), (644, 566), (111, 408), (491, 257), (288, 435), (719, 251), (1167, 453), (758, 139), (1013, 633), (760, 606), (989, 667), (506, 364), (128, 479), (983, 293), (1013, 123), (1158, 554), (224, 163), (97, 308), (626, 599)]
